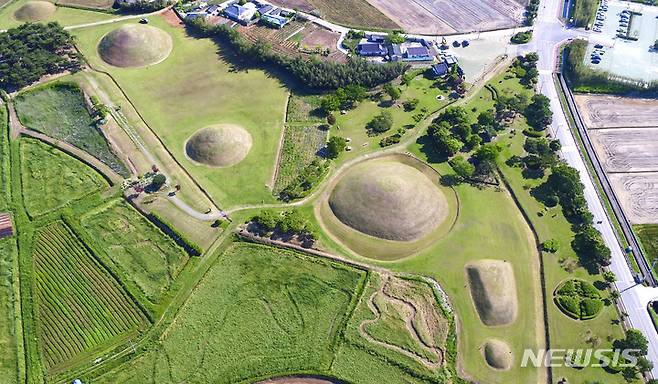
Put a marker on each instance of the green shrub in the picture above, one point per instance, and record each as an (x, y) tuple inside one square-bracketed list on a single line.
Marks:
[(533, 133), (589, 308), (588, 290), (567, 289), (551, 246), (569, 305)]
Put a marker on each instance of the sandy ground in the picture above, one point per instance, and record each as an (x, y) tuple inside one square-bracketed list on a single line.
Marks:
[(627, 149), (639, 195), (601, 111), (437, 17)]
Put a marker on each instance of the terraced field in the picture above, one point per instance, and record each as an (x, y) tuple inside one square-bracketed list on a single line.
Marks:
[(8, 337), (79, 307), (52, 179), (137, 247)]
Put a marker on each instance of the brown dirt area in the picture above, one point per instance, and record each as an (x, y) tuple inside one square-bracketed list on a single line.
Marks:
[(601, 111), (638, 193), (97, 4), (350, 13), (449, 17), (627, 149), (316, 36), (172, 19)]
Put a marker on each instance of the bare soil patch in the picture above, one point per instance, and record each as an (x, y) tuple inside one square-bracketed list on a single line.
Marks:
[(351, 13), (493, 291), (638, 193), (627, 149), (601, 111), (447, 16), (172, 19), (97, 4)]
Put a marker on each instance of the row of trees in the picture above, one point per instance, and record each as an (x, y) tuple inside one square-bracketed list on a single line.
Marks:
[(31, 51), (344, 98), (288, 223), (313, 72)]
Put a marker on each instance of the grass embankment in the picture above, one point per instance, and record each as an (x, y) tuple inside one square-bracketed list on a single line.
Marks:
[(52, 179), (258, 312), (207, 90), (583, 12), (64, 15), (137, 248), (648, 234)]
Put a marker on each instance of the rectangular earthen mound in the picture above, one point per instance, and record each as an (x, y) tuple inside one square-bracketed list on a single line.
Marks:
[(493, 290)]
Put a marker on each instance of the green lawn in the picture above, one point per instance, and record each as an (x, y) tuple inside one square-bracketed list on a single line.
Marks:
[(259, 311), (140, 250), (648, 234), (195, 87), (64, 15), (353, 124), (52, 179), (8, 338), (59, 111)]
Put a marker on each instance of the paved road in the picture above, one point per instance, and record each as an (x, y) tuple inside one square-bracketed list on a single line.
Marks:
[(549, 35)]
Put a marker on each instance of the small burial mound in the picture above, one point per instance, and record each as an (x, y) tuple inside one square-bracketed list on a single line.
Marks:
[(497, 354), (135, 45), (221, 145), (389, 200), (493, 290), (35, 11)]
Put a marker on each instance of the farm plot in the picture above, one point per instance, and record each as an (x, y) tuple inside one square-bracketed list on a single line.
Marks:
[(399, 320), (258, 312), (627, 149), (648, 234), (300, 147), (4, 159), (617, 112), (446, 17), (638, 193), (95, 4), (52, 179), (350, 13), (8, 337), (59, 111), (316, 37), (80, 308), (140, 250)]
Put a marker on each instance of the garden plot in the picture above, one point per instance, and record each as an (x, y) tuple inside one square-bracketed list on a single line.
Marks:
[(639, 195), (617, 112), (448, 17)]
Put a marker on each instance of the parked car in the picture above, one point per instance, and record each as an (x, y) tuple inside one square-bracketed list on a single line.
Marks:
[(598, 46)]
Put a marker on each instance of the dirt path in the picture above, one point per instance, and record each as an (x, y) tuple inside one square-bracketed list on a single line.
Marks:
[(374, 308)]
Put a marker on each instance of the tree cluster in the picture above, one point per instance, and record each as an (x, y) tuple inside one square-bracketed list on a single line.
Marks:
[(143, 6), (381, 123), (335, 146), (287, 223), (313, 72), (525, 68), (31, 51), (531, 12), (539, 113), (634, 340), (521, 37), (343, 98), (305, 181)]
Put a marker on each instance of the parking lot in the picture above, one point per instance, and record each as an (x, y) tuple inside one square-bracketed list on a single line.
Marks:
[(625, 33)]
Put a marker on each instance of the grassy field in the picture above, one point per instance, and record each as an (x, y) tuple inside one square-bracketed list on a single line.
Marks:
[(259, 311), (205, 92), (353, 124), (584, 11), (4, 159), (139, 249), (59, 110), (300, 147), (79, 307), (8, 337), (52, 179), (648, 234), (64, 15)]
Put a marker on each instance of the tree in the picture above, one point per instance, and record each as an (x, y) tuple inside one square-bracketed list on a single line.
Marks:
[(158, 181), (462, 167), (590, 246), (381, 123), (655, 45), (330, 103), (292, 221), (443, 139), (331, 119), (634, 340), (267, 219), (538, 113), (644, 364), (355, 93), (551, 246), (609, 277), (335, 146), (392, 91), (395, 38), (486, 158)]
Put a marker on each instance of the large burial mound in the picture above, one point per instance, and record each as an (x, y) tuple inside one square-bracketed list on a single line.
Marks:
[(135, 45), (35, 11), (493, 290), (219, 145), (497, 354), (388, 200)]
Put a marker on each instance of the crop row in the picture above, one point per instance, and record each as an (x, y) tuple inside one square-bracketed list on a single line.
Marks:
[(79, 305)]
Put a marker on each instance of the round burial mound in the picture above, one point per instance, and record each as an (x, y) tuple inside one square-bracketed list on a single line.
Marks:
[(493, 290), (35, 11), (219, 145), (389, 200), (135, 45), (497, 354)]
